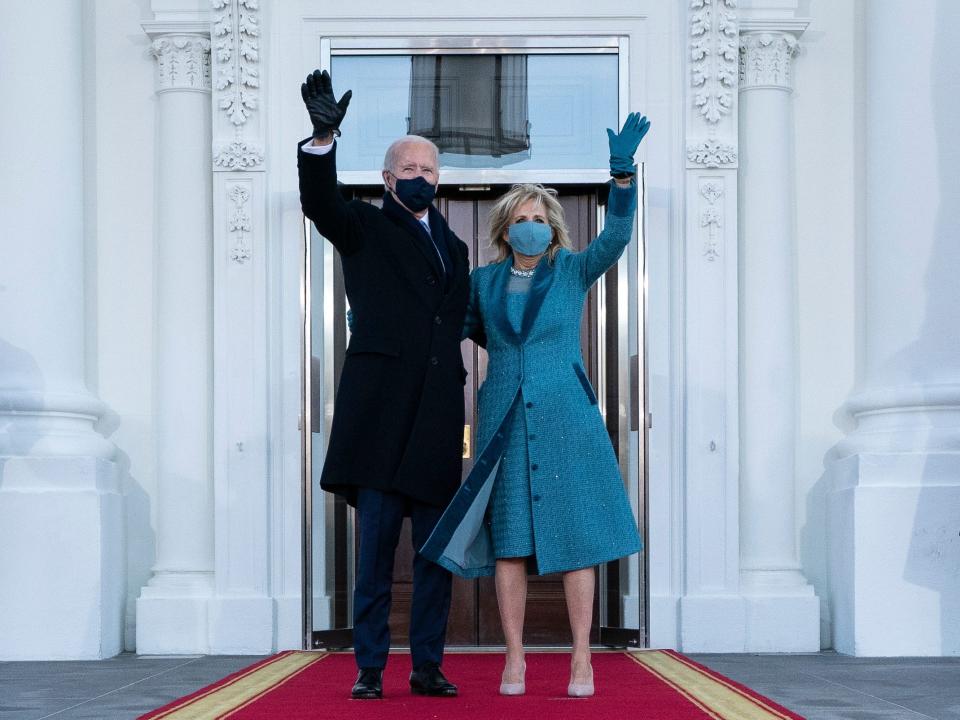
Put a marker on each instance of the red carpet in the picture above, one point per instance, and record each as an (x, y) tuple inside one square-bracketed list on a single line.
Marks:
[(649, 685)]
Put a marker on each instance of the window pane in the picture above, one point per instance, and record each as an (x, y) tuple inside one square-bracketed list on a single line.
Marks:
[(571, 100)]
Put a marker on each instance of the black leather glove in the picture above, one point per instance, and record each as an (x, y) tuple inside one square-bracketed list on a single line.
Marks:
[(326, 113)]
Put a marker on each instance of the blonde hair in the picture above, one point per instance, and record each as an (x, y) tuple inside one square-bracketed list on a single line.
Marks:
[(502, 212)]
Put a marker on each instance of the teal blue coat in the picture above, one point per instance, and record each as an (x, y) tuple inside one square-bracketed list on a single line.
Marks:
[(581, 513)]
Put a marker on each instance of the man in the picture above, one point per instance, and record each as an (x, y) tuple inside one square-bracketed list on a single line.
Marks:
[(396, 443)]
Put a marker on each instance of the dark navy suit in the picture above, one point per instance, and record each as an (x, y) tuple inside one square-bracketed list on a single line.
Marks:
[(381, 515)]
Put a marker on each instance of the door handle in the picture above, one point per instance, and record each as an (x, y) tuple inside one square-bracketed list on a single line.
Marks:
[(466, 442)]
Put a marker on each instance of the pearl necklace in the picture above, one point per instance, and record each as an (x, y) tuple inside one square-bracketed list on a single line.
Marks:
[(522, 273)]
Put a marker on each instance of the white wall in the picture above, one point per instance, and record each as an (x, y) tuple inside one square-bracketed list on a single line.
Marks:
[(119, 197), (825, 142)]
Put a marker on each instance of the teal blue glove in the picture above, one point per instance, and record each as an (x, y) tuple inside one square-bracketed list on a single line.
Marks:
[(624, 145)]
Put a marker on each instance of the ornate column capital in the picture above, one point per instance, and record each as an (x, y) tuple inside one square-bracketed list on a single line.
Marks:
[(766, 59), (183, 62)]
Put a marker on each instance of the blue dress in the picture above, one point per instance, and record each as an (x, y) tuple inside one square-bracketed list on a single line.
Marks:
[(511, 515)]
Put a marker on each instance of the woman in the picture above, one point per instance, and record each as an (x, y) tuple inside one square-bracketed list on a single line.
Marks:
[(545, 494)]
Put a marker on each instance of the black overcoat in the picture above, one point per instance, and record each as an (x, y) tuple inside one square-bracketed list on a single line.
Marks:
[(398, 415)]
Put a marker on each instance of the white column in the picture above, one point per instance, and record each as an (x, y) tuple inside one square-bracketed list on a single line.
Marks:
[(894, 549), (172, 608), (61, 528), (782, 611)]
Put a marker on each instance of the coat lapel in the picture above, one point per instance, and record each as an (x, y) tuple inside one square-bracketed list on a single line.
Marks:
[(416, 231), (498, 309), (542, 279)]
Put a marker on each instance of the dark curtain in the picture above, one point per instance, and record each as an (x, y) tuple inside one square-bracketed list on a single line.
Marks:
[(470, 104)]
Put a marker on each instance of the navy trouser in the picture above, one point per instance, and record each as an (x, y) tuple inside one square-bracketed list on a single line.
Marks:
[(380, 517)]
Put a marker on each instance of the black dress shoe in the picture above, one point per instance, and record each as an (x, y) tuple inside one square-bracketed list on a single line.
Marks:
[(429, 680), (369, 684)]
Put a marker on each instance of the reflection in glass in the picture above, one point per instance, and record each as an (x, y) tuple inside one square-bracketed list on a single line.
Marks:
[(332, 519), (471, 104), (570, 99)]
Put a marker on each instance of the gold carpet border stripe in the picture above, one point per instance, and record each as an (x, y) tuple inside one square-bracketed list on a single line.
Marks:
[(270, 689), (727, 683), (225, 699), (729, 702), (220, 686), (679, 690)]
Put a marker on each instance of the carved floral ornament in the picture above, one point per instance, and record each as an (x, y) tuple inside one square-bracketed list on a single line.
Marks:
[(766, 59), (238, 223), (714, 36), (236, 33), (238, 155), (711, 217), (183, 62), (713, 56), (712, 153)]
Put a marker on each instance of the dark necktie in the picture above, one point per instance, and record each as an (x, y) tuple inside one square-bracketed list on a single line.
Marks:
[(441, 250)]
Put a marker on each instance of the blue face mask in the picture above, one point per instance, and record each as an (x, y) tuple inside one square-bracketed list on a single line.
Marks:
[(416, 193), (530, 237)]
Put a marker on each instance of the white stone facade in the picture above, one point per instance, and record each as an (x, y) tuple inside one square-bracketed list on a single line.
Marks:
[(803, 356)]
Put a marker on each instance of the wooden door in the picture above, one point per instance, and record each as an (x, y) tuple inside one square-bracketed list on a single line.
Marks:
[(474, 616)]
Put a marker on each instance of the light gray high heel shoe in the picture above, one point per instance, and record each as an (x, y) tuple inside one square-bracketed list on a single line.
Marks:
[(515, 688), (575, 689)]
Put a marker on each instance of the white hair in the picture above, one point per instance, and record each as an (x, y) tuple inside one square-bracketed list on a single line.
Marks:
[(390, 158)]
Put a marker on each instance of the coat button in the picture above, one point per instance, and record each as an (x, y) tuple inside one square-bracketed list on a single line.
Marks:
[(532, 436), (431, 280), (437, 320), (529, 404), (536, 498), (534, 466), (434, 361)]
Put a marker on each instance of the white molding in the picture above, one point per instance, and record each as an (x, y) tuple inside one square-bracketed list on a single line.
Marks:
[(711, 219), (712, 153), (237, 155), (238, 223), (155, 29), (766, 60), (236, 45), (713, 38), (713, 57), (183, 62), (242, 615), (711, 566), (795, 26)]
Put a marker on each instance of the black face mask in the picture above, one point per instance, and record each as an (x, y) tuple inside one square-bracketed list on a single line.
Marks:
[(416, 194)]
